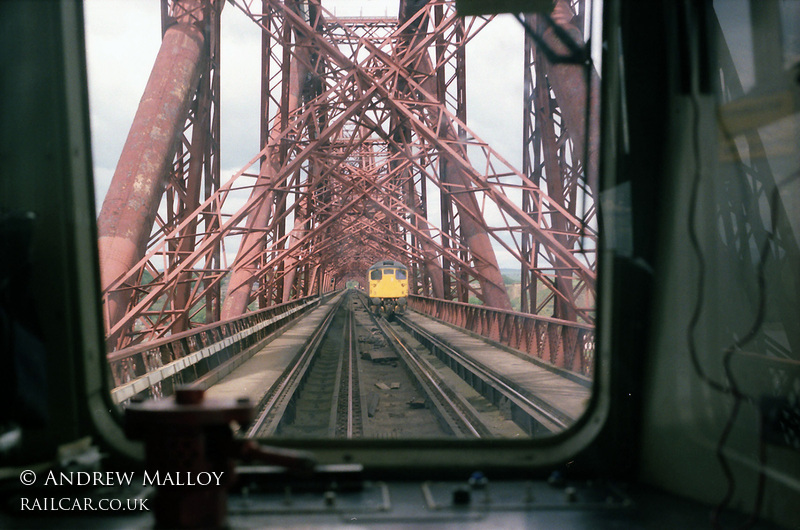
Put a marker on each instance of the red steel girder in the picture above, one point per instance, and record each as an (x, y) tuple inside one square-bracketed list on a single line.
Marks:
[(476, 237), (129, 211), (555, 136), (377, 123), (439, 117)]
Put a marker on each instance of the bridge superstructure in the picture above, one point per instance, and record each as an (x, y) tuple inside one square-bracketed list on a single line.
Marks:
[(365, 155)]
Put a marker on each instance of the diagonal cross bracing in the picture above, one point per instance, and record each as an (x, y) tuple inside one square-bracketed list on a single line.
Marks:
[(364, 137)]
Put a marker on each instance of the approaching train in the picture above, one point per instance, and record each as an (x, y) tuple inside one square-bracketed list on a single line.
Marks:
[(388, 287)]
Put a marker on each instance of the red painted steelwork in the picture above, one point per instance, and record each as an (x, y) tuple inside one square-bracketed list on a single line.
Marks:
[(569, 84), (555, 136), (564, 344), (135, 362), (473, 228), (196, 169), (363, 124), (243, 273), (129, 209)]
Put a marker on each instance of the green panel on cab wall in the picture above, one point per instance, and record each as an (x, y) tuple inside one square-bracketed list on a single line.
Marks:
[(485, 7)]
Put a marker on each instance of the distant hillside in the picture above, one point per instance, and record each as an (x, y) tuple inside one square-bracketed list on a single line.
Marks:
[(512, 274)]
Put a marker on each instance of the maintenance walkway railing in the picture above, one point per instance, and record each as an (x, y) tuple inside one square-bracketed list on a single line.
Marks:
[(155, 368), (562, 343)]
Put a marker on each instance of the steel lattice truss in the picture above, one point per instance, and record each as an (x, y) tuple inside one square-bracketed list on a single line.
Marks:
[(363, 131), (196, 165), (559, 148)]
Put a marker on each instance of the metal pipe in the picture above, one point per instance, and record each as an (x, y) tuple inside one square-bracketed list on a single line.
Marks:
[(130, 207)]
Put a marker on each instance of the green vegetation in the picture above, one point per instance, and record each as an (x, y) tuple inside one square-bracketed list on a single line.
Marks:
[(513, 274)]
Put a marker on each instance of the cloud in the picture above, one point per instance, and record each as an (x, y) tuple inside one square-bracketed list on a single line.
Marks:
[(240, 88), (123, 38), (494, 87), (102, 179), (122, 41)]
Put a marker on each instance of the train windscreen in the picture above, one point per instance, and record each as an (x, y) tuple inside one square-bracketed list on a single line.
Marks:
[(252, 223)]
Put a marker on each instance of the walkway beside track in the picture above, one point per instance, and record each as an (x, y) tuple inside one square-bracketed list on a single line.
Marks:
[(547, 383), (256, 375)]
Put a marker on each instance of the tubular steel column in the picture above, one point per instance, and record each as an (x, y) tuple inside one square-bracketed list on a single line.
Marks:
[(363, 120), (129, 211)]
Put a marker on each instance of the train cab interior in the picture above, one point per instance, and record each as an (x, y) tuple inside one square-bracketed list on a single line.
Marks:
[(694, 416)]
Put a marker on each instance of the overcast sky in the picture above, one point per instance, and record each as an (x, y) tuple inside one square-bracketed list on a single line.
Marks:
[(123, 37)]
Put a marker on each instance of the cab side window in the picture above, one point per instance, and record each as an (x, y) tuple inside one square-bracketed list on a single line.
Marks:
[(400, 274), (375, 275)]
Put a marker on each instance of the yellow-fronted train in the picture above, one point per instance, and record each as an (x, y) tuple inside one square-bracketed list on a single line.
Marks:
[(388, 287)]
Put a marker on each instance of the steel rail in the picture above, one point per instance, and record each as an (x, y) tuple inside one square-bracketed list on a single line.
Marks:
[(463, 420), (467, 421), (541, 412), (349, 342), (346, 409), (278, 397), (353, 389)]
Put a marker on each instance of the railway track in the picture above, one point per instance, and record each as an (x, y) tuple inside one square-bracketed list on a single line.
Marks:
[(348, 422), (457, 416), (320, 395), (281, 404), (526, 408), (360, 376)]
